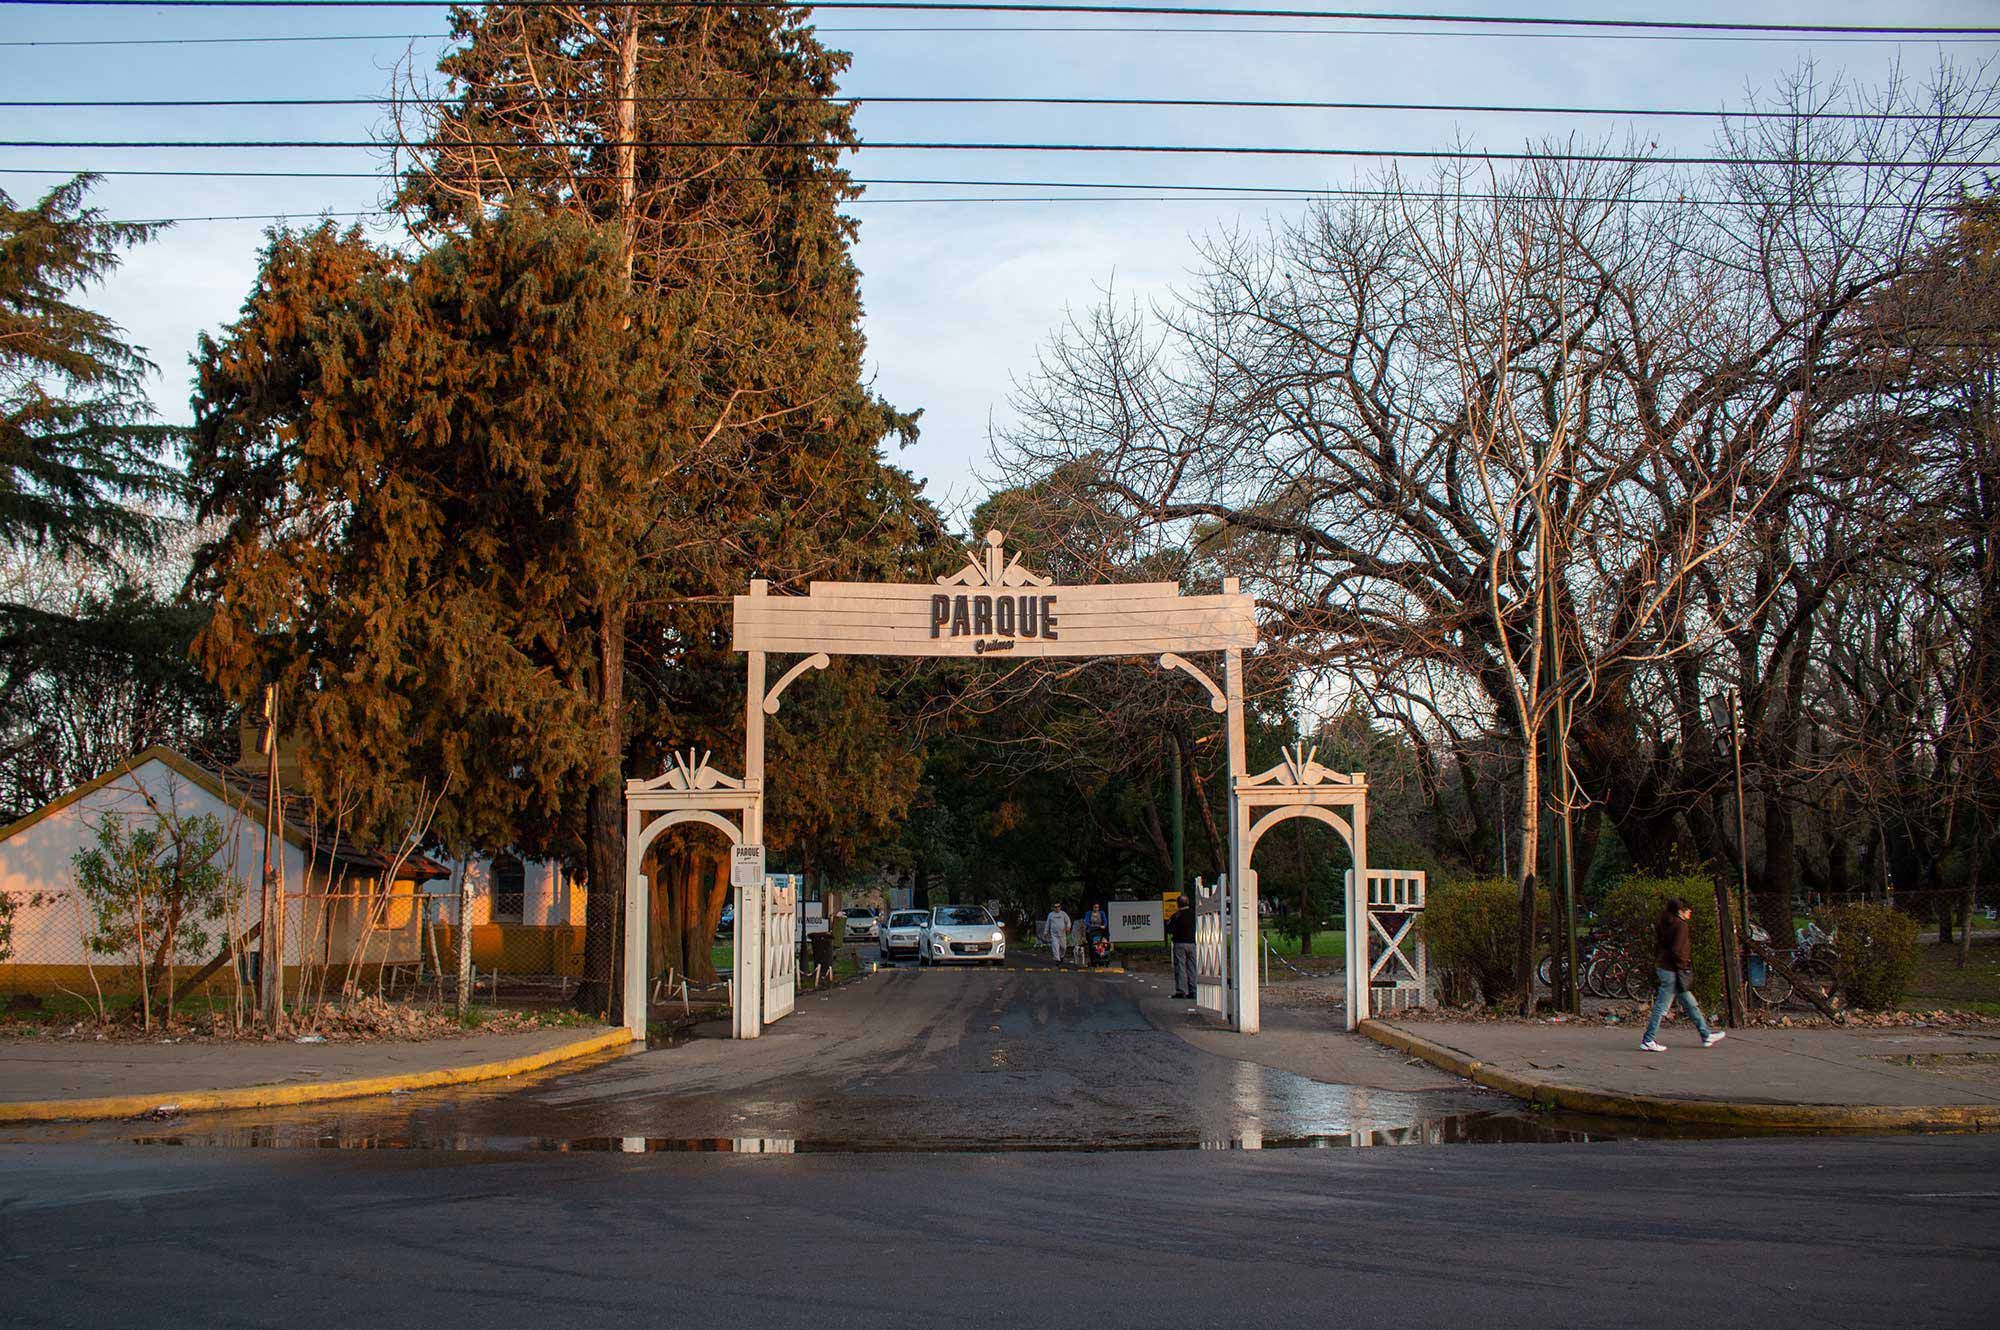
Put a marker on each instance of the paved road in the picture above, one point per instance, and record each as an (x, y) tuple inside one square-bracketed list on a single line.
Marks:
[(1007, 1215), (1849, 1232), (939, 1059)]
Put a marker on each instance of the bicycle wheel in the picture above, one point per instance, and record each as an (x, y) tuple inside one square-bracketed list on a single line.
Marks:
[(1545, 970), (1774, 992)]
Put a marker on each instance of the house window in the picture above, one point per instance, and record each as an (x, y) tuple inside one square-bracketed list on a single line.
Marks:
[(510, 879)]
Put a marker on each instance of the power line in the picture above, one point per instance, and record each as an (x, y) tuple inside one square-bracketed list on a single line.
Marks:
[(913, 145), (1121, 29), (1459, 108), (1175, 11)]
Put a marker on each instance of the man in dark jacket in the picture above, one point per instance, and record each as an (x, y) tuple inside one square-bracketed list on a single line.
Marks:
[(1181, 928), (1673, 959)]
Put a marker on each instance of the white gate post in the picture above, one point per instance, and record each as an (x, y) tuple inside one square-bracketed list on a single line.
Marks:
[(1361, 1003), (636, 910), (746, 1018), (1243, 994)]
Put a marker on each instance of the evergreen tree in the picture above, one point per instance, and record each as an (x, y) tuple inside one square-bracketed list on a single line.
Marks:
[(78, 437)]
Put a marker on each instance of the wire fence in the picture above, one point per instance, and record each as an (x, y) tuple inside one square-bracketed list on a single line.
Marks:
[(59, 947)]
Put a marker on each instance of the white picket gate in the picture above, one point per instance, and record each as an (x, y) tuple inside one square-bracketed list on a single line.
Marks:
[(1211, 945), (781, 947)]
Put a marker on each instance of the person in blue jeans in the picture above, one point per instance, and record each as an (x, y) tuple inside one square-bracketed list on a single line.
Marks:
[(1673, 958)]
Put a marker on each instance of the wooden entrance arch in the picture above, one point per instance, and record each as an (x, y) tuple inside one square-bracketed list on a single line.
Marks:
[(994, 609)]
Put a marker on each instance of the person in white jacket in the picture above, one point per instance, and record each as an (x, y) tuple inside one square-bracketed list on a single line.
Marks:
[(1057, 927)]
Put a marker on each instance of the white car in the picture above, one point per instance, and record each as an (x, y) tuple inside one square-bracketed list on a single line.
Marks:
[(862, 925), (961, 933), (904, 935)]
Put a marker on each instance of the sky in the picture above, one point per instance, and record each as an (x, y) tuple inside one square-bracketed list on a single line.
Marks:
[(959, 295)]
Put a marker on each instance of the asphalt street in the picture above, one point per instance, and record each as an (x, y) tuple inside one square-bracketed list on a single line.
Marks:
[(1864, 1233), (1024, 1148)]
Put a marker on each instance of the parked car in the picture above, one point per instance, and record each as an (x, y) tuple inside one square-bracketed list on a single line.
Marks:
[(962, 933), (862, 925), (727, 923), (904, 934)]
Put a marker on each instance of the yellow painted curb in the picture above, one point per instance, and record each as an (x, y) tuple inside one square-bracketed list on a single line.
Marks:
[(1545, 1093), (265, 1096)]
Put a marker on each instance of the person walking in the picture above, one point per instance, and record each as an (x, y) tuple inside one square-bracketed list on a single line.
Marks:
[(1181, 929), (1673, 961), (1096, 921), (1057, 926)]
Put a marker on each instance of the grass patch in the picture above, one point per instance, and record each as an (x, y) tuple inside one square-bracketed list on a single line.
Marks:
[(1939, 981)]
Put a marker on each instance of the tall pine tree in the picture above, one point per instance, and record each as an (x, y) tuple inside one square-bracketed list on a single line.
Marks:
[(78, 435), (719, 280)]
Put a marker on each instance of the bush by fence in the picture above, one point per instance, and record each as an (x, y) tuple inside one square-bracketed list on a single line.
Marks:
[(1877, 946), (1473, 930)]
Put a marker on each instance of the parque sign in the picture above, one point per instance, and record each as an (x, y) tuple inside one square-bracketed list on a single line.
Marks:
[(991, 607)]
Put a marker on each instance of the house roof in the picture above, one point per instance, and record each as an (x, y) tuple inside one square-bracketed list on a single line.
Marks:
[(249, 793)]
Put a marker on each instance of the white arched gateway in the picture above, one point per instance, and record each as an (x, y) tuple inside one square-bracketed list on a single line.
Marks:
[(994, 609)]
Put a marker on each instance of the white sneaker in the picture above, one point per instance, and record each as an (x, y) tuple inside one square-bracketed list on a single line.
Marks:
[(1711, 1039), (1653, 1046)]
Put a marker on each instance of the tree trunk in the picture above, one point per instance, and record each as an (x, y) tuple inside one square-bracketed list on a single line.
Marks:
[(1531, 830), (1780, 876), (708, 887), (604, 834)]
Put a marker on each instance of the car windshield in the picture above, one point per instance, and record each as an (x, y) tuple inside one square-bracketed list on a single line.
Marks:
[(907, 918), (962, 914), (859, 914)]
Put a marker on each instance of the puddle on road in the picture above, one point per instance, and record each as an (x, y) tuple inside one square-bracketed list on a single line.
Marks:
[(1454, 1129)]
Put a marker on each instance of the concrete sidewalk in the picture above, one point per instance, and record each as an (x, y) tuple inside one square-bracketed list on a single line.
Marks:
[(1758, 1077), (44, 1080)]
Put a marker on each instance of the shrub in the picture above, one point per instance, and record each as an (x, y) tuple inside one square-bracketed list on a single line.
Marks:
[(1473, 931), (1632, 909), (1877, 946)]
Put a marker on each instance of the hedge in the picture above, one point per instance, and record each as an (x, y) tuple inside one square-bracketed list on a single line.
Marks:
[(1877, 946), (1472, 928)]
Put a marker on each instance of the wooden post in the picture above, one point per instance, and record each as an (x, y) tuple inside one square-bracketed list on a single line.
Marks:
[(1244, 1011), (637, 910), (1359, 1001), (751, 907), (270, 959)]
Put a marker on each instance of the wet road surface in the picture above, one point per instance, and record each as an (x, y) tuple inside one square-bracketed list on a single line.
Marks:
[(1872, 1232), (1024, 1057), (1033, 1182)]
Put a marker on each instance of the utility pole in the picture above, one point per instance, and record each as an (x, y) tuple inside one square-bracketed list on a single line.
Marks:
[(1179, 818), (1725, 920), (270, 948)]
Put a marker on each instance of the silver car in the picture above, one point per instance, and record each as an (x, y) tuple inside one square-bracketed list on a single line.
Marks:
[(862, 925), (903, 935), (962, 933)]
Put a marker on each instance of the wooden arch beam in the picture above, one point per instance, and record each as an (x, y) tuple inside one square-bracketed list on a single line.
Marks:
[(1216, 701), (819, 660), (1288, 811), (705, 816)]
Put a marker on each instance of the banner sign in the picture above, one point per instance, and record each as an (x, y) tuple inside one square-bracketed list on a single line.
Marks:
[(1138, 921), (994, 608)]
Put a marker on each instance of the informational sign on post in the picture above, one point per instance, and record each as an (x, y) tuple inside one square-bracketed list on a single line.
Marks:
[(1137, 921), (746, 866)]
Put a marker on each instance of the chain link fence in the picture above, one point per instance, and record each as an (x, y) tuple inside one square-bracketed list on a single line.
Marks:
[(62, 951)]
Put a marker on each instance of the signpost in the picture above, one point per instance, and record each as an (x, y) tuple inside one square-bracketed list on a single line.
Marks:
[(746, 865)]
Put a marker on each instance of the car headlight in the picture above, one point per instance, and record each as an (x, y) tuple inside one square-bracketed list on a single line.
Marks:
[(999, 936)]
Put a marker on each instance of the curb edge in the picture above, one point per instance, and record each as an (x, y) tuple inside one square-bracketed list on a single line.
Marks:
[(1545, 1093), (266, 1096)]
